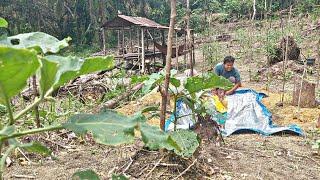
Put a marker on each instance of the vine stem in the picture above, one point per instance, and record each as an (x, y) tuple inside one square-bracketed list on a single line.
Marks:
[(3, 159), (28, 108), (32, 131), (35, 103), (175, 112), (7, 103)]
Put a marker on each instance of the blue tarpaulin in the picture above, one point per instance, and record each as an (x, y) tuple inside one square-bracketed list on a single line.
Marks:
[(245, 113)]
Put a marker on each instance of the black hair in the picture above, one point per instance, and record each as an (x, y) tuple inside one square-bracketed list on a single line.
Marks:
[(228, 59)]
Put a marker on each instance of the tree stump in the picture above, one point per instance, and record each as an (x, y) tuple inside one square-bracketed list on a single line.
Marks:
[(308, 95), (279, 52)]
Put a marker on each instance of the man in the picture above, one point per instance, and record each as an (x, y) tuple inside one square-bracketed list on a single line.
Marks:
[(227, 70)]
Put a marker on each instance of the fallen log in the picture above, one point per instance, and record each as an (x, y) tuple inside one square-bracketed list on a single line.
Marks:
[(113, 102)]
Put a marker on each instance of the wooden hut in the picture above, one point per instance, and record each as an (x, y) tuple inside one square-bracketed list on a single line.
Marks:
[(142, 41)]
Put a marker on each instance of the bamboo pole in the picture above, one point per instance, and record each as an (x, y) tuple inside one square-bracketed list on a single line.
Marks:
[(142, 50), (123, 45), (177, 51), (118, 41), (318, 57), (285, 60), (104, 41)]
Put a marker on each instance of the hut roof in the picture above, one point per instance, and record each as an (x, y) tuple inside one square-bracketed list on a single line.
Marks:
[(123, 21)]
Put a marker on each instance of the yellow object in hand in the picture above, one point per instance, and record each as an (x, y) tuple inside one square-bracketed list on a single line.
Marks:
[(219, 105)]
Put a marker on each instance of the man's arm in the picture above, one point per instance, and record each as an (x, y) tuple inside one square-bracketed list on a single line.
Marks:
[(235, 87), (216, 70), (237, 84)]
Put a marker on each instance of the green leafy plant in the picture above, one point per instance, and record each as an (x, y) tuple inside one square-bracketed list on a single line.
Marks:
[(23, 56), (85, 175), (3, 23), (316, 145)]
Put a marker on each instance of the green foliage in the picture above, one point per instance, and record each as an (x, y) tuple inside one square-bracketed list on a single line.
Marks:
[(85, 175), (237, 8), (213, 53), (211, 80), (316, 145), (58, 70), (3, 110), (137, 79), (3, 23), (156, 139), (107, 127), (186, 140), (154, 79), (118, 177), (39, 41), (306, 6), (16, 66), (34, 147), (18, 62), (6, 131), (112, 128)]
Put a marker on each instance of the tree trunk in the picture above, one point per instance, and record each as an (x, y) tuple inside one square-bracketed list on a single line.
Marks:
[(102, 19), (254, 10), (164, 91), (307, 91), (93, 22), (189, 37), (318, 57)]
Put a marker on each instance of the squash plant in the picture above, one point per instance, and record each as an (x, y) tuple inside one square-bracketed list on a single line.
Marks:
[(24, 55)]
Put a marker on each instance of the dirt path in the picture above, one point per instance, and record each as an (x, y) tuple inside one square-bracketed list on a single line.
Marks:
[(248, 156)]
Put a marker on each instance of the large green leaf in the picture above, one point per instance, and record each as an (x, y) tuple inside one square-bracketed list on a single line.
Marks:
[(16, 66), (85, 175), (153, 80), (186, 140), (57, 70), (211, 80), (175, 82), (48, 73), (7, 130), (156, 78), (3, 23), (107, 127), (155, 139), (34, 147), (40, 41)]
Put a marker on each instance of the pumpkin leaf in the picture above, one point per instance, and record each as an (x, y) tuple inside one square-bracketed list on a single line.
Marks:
[(85, 175), (210, 80), (16, 66), (57, 70), (107, 127), (42, 42)]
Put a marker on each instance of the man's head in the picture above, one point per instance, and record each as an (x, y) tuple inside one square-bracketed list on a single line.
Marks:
[(228, 63)]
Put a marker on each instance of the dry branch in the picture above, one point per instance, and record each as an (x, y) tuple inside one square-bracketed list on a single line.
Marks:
[(186, 169), (113, 102)]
